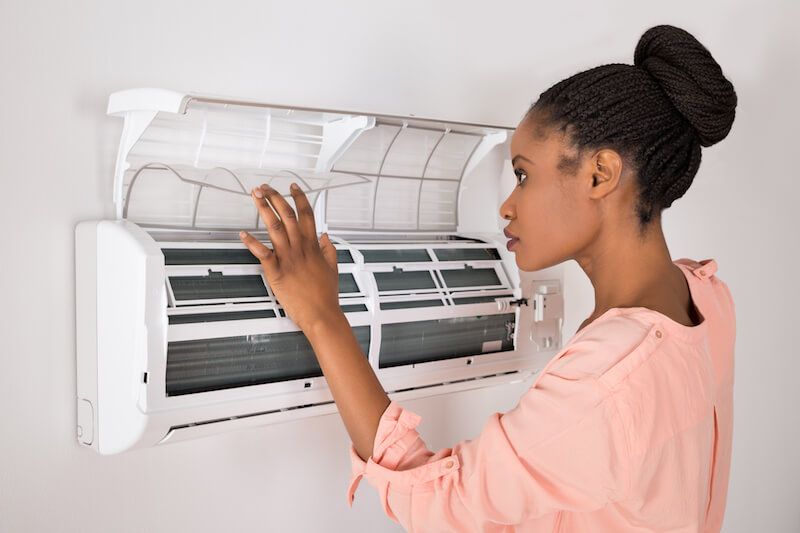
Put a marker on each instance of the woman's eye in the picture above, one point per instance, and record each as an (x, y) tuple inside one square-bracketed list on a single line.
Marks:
[(520, 175)]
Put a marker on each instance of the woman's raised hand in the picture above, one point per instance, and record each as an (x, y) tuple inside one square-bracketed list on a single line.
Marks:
[(301, 270)]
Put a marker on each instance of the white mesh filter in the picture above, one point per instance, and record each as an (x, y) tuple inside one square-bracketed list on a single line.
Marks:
[(397, 204), (195, 170), (451, 156), (350, 207), (212, 135), (438, 205), (189, 197), (221, 209), (415, 174), (157, 198), (410, 152), (366, 154), (397, 201)]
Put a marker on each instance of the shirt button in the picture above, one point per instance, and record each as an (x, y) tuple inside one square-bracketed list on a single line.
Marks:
[(702, 272), (449, 464), (658, 333)]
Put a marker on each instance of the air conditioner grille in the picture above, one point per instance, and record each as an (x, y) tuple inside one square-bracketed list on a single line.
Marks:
[(222, 363), (217, 286), (431, 340)]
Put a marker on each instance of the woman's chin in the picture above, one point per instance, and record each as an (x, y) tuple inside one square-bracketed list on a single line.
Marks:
[(523, 263)]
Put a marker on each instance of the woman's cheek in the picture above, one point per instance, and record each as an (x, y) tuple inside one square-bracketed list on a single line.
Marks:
[(544, 235)]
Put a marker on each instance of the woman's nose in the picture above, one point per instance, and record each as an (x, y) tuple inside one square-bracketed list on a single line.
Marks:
[(506, 209)]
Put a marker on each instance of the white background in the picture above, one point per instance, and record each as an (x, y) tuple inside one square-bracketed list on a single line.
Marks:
[(469, 61)]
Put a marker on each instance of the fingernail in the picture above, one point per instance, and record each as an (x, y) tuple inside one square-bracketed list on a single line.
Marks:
[(294, 187), (258, 193), (242, 235)]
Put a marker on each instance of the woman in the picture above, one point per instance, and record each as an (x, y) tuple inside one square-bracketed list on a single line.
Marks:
[(628, 427)]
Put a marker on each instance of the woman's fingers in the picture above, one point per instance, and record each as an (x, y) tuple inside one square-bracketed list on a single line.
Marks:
[(277, 233), (285, 211), (328, 251), (305, 213), (267, 257)]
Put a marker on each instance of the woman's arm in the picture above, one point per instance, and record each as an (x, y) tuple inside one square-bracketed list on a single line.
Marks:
[(355, 387), (303, 273)]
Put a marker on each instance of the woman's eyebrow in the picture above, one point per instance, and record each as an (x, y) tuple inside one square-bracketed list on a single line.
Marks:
[(514, 161)]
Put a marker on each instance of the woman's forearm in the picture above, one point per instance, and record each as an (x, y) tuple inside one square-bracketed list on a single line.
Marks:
[(355, 387), (302, 271)]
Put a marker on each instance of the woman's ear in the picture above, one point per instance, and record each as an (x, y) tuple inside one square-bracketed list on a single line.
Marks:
[(606, 171)]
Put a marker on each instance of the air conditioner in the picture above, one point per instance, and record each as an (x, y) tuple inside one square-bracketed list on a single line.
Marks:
[(178, 334)]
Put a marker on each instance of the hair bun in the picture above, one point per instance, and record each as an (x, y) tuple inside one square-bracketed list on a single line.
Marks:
[(691, 78)]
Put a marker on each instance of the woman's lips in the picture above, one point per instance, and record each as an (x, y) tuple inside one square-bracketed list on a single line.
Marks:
[(513, 239)]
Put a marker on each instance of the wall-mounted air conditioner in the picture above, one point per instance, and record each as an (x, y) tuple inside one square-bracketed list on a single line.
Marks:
[(179, 335)]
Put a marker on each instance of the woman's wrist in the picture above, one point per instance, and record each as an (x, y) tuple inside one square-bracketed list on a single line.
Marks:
[(326, 324)]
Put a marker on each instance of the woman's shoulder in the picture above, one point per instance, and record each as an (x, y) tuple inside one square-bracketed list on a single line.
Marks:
[(603, 344)]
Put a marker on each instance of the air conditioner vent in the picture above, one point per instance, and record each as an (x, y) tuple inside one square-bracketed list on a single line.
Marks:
[(217, 317), (399, 280), (407, 255), (467, 254), (471, 277), (411, 304), (218, 256), (217, 286), (203, 365), (432, 340)]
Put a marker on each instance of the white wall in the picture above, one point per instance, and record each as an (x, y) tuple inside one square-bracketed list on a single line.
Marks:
[(60, 60)]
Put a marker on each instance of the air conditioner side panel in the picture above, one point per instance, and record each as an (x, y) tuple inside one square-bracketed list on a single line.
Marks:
[(131, 298), (86, 330)]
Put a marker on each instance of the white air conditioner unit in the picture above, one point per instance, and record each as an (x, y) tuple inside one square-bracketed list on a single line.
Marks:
[(179, 336)]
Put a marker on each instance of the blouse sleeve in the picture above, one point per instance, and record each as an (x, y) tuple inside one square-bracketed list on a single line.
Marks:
[(562, 447)]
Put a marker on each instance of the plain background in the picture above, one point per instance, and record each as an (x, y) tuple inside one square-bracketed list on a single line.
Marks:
[(470, 61)]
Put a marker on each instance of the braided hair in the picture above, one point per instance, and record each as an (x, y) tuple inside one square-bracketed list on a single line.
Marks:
[(656, 114)]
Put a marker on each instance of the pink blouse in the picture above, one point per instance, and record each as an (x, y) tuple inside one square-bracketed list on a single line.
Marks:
[(627, 428)]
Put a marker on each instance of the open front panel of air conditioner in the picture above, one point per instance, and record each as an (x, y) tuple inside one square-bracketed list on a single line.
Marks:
[(179, 335)]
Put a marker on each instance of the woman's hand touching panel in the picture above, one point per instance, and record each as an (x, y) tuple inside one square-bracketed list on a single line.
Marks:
[(300, 269)]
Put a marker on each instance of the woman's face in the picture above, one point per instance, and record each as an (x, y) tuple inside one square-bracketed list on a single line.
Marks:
[(556, 211)]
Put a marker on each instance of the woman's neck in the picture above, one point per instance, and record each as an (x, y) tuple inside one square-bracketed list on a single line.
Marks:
[(627, 270)]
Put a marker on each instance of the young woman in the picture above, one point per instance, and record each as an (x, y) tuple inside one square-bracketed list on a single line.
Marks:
[(628, 427)]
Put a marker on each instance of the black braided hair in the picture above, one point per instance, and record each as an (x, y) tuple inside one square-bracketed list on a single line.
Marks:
[(656, 113)]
